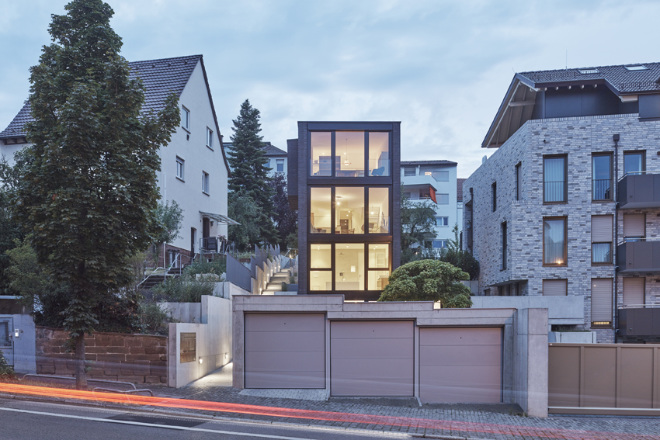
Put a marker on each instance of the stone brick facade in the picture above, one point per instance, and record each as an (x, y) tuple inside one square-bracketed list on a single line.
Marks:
[(110, 356), (577, 138)]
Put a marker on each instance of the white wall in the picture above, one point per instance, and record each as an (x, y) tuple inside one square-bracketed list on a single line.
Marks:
[(272, 164)]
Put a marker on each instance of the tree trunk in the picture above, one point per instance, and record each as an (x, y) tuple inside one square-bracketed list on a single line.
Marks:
[(81, 373)]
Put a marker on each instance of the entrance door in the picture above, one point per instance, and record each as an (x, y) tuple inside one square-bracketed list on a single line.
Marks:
[(6, 343)]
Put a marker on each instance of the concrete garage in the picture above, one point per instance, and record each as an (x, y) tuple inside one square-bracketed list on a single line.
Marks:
[(284, 350), (460, 365), (371, 358)]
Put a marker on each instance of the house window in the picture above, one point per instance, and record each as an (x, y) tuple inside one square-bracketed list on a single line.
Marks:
[(494, 193), (185, 118), (349, 266), (633, 162), (349, 210), (350, 154), (180, 168), (601, 171), (349, 149), (504, 244), (320, 205), (554, 179), (440, 176), (439, 244), (409, 171), (320, 263), (442, 221), (279, 165), (379, 154), (378, 273), (601, 239), (321, 147), (634, 227), (554, 288), (379, 211), (205, 182), (554, 241), (209, 138), (601, 302), (633, 291), (443, 199), (518, 165)]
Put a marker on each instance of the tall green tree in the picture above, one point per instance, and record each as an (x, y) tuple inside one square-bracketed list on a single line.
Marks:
[(10, 228), (286, 219), (249, 176), (89, 188), (417, 227)]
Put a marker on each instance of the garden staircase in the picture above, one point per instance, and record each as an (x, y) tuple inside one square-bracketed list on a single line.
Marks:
[(275, 284)]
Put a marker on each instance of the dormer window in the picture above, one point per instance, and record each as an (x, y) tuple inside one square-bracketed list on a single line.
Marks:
[(636, 67)]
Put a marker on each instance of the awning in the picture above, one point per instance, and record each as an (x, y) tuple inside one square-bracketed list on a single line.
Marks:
[(221, 219), (432, 194)]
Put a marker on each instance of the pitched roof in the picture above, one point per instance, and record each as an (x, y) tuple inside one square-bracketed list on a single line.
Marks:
[(428, 162), (161, 78)]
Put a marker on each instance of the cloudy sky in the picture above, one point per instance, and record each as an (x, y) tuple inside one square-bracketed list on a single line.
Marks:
[(439, 67)]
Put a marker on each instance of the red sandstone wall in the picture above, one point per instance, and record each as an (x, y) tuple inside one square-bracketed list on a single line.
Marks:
[(110, 356)]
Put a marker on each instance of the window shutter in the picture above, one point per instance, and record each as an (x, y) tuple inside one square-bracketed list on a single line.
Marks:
[(634, 225), (633, 291), (601, 228), (601, 301), (554, 288)]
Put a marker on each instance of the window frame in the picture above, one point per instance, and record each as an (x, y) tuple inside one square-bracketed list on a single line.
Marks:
[(610, 322), (185, 120), (594, 180), (444, 222), (365, 172), (279, 162), (206, 183), (493, 188), (629, 153), (565, 181), (564, 262), (503, 232), (518, 169), (180, 165), (439, 197), (611, 243), (209, 138)]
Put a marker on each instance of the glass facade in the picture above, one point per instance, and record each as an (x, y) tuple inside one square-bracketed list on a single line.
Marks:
[(349, 210), (352, 213), (320, 216), (321, 147), (348, 150), (379, 154)]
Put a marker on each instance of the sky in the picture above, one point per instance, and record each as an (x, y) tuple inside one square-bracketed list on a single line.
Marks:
[(440, 67)]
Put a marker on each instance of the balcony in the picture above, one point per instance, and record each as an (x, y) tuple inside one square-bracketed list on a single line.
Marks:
[(422, 181), (639, 191), (638, 256), (639, 322)]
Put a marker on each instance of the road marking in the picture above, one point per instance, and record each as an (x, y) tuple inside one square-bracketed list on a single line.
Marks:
[(153, 425)]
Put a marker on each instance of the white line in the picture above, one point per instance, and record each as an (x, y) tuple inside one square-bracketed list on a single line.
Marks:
[(154, 425)]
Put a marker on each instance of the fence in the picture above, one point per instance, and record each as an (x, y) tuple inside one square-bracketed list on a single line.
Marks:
[(604, 379)]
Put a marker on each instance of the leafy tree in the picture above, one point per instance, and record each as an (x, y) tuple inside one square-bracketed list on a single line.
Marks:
[(89, 187), (453, 254), (417, 226), (244, 210), (10, 228), (428, 280), (286, 219), (169, 217), (249, 176)]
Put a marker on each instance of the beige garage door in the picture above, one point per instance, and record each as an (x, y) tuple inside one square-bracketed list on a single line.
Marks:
[(460, 365), (284, 350), (371, 358)]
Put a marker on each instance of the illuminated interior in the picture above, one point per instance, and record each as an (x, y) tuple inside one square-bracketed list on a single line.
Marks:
[(379, 154), (321, 147), (349, 210)]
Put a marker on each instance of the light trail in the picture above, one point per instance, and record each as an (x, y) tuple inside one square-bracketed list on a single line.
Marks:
[(367, 419)]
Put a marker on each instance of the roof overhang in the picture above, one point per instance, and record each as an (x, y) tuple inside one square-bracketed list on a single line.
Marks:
[(221, 219)]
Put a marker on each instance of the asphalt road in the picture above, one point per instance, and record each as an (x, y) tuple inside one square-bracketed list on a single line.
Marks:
[(55, 421)]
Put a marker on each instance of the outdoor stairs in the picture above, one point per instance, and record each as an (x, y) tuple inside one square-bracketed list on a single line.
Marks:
[(275, 284), (157, 278)]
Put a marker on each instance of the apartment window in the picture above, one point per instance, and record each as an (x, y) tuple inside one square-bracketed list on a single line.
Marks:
[(601, 302), (378, 271), (633, 291), (555, 288), (518, 165), (320, 206), (634, 227), (494, 194), (504, 244), (320, 264), (209, 138), (350, 154), (409, 171), (554, 179), (440, 176), (601, 239), (205, 182), (633, 162), (554, 241), (349, 210), (439, 244), (601, 170), (442, 221), (379, 210), (279, 165), (321, 147), (185, 118), (349, 149), (180, 168), (379, 154), (443, 199), (349, 266)]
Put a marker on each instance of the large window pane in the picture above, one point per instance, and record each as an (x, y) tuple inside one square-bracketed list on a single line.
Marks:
[(379, 256), (349, 266), (554, 241), (554, 179), (349, 147), (320, 214), (602, 175), (349, 210), (633, 162), (320, 280), (321, 147), (601, 252), (379, 210), (378, 279), (379, 154), (320, 256)]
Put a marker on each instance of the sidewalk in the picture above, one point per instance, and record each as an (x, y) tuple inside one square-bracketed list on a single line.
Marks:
[(460, 421)]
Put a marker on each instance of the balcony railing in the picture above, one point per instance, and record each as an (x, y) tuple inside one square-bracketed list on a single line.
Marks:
[(641, 255), (639, 191), (639, 322), (601, 189)]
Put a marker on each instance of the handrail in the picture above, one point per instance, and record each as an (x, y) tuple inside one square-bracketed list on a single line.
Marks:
[(177, 258), (639, 306)]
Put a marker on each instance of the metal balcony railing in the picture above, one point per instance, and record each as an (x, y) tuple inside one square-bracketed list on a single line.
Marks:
[(639, 190)]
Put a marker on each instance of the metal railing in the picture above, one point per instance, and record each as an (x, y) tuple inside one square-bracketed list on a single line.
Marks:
[(602, 189), (177, 259)]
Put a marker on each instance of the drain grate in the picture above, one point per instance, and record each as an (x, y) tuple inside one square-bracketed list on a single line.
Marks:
[(168, 421)]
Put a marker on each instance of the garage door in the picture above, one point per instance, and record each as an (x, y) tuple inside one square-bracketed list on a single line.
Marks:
[(371, 358), (284, 350), (460, 365)]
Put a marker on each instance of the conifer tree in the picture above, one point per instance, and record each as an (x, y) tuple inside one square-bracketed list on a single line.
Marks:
[(89, 187)]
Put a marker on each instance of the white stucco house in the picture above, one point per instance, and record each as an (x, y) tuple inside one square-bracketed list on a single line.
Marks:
[(194, 168), (277, 158)]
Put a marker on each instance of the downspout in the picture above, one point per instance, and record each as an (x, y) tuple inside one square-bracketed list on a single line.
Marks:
[(616, 138)]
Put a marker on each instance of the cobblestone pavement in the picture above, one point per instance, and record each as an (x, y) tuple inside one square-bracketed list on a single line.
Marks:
[(501, 422)]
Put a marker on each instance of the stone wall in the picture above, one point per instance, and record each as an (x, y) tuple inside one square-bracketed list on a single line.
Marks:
[(110, 356)]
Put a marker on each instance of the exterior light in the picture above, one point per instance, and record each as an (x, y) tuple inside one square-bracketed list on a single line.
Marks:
[(201, 361), (17, 333)]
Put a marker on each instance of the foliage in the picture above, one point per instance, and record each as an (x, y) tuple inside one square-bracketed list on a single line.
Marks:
[(153, 320), (460, 258), (6, 371), (10, 228), (249, 176), (417, 226), (89, 187), (218, 266), (428, 280), (182, 289), (244, 210), (285, 218), (169, 217)]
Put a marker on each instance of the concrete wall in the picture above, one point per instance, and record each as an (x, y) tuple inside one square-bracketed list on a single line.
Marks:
[(24, 354), (213, 347), (563, 310), (525, 339)]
